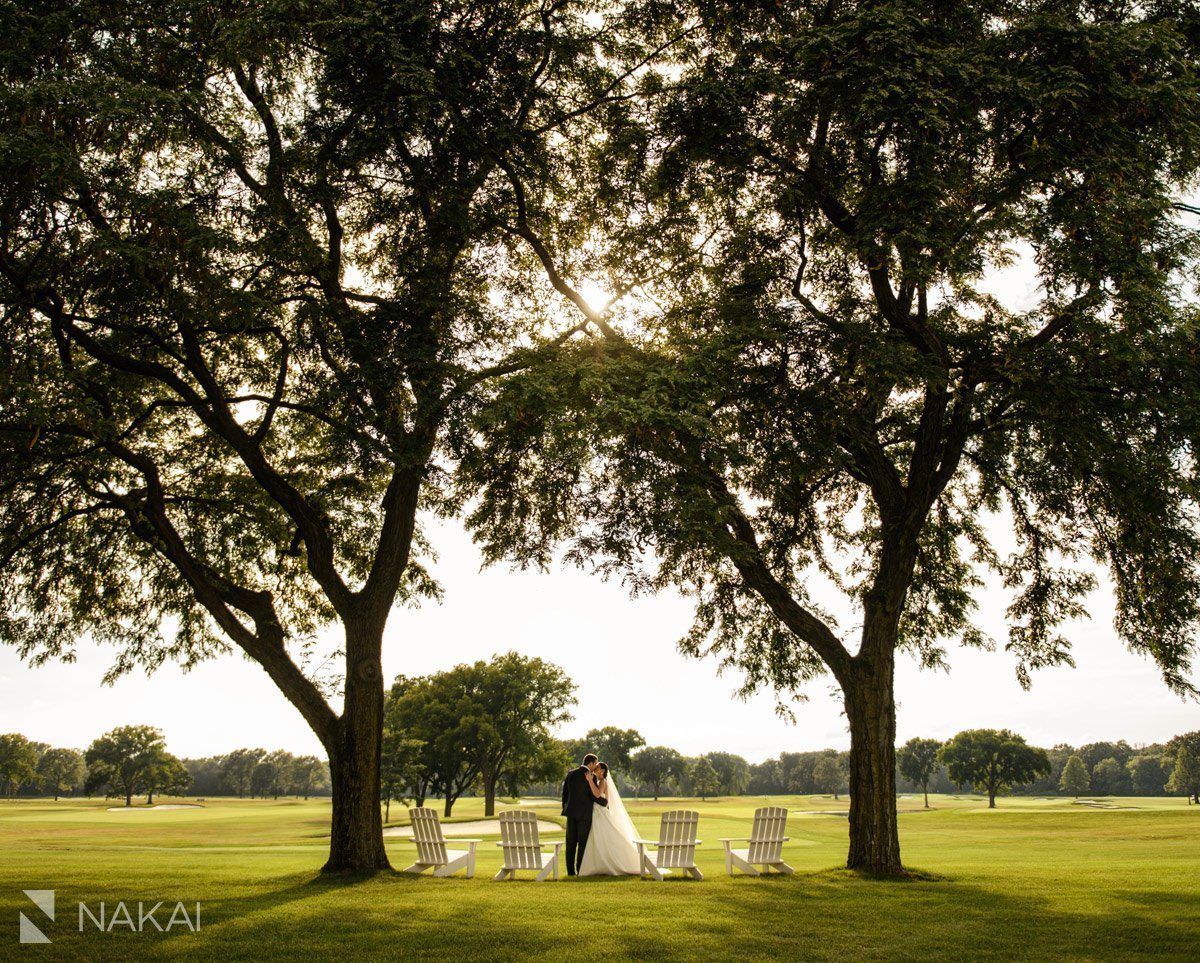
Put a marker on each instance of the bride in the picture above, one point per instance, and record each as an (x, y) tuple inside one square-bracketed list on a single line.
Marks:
[(610, 850)]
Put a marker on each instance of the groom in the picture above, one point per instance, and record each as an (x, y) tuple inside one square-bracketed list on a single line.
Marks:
[(577, 802)]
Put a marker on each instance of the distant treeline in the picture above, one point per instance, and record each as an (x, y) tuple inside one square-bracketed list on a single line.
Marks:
[(132, 761)]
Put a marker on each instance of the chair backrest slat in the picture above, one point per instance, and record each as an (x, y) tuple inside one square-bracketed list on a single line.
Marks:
[(519, 840), (766, 836), (427, 834), (677, 839)]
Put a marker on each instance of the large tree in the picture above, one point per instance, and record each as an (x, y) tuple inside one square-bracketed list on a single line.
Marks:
[(1184, 752), (832, 394), (256, 261), (992, 761)]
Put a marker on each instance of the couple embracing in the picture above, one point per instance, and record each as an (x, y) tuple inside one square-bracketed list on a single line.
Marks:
[(600, 834)]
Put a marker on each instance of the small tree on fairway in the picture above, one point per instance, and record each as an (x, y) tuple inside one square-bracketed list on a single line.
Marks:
[(168, 776), (60, 771), (918, 761), (656, 765), (704, 778), (126, 760), (1185, 777), (829, 775), (992, 761), (402, 772), (1075, 779), (822, 380), (18, 761)]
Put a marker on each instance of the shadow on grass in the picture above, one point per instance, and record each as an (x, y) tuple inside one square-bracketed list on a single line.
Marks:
[(829, 914)]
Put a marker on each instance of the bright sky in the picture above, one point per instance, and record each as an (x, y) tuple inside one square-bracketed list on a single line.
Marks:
[(622, 655)]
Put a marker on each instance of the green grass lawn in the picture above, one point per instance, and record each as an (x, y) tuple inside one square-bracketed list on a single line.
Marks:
[(1034, 879)]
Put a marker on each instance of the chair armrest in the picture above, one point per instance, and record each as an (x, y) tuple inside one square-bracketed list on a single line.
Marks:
[(450, 840), (647, 842), (557, 846), (735, 839)]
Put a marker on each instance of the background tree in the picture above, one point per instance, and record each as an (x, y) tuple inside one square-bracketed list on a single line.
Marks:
[(284, 765), (918, 761), (820, 380), (18, 761), (252, 263), (1185, 777), (311, 775), (614, 746), (518, 700), (167, 776), (237, 769), (442, 713), (263, 778), (542, 761), (1110, 778), (657, 765), (828, 775), (703, 778), (733, 772), (126, 759), (1146, 774), (60, 771), (402, 771), (992, 761), (1075, 778)]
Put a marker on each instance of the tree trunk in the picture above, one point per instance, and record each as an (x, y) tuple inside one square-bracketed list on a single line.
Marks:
[(356, 837), (448, 806), (871, 709), (926, 797), (129, 798), (489, 796)]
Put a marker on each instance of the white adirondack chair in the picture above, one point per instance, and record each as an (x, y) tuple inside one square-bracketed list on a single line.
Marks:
[(431, 847), (765, 847), (521, 847), (676, 844)]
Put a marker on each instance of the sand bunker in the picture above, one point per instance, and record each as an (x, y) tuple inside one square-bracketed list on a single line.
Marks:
[(477, 827), (142, 809)]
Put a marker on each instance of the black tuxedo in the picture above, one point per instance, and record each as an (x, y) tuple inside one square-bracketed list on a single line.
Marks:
[(577, 802)]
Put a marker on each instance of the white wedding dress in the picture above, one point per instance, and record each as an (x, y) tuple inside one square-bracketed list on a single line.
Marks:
[(611, 850)]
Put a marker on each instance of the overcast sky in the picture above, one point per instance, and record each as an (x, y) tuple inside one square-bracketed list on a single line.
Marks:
[(622, 655)]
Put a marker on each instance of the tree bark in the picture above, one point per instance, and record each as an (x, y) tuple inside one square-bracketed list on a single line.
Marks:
[(489, 796), (356, 837), (871, 709)]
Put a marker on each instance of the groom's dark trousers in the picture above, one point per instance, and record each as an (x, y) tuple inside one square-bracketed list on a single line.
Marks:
[(577, 802)]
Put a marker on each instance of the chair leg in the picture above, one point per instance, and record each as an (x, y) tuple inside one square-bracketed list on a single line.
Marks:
[(417, 868), (785, 868), (744, 866), (545, 871), (695, 871), (500, 876)]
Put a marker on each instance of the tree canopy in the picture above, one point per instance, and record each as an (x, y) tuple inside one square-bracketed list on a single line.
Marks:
[(830, 384), (992, 761), (257, 264), (918, 760)]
